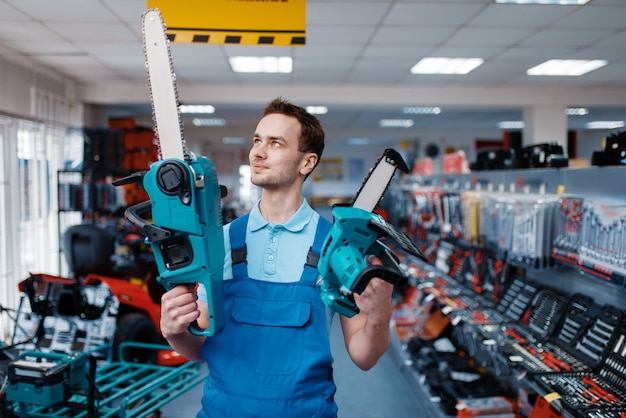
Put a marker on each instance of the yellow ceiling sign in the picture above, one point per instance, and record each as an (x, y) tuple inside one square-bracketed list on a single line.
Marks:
[(255, 22)]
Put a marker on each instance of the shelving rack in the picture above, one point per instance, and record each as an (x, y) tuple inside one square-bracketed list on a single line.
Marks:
[(564, 279)]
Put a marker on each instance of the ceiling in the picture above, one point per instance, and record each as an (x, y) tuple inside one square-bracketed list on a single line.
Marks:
[(356, 61)]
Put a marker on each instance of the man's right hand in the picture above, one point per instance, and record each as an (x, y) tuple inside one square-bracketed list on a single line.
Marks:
[(179, 308)]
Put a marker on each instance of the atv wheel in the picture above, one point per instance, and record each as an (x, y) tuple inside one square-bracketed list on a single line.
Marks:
[(136, 327)]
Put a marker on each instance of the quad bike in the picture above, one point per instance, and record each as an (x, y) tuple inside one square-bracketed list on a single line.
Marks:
[(112, 298)]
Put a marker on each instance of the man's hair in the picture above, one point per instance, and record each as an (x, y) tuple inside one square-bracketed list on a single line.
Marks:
[(312, 136)]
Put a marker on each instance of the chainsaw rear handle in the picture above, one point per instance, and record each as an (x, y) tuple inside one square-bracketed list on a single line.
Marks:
[(390, 270)]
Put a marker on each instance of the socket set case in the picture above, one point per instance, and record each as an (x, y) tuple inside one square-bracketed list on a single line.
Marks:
[(598, 393)]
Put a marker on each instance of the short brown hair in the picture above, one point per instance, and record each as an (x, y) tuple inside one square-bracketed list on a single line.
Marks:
[(312, 137)]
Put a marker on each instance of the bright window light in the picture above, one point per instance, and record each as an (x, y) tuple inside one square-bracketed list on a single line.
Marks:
[(606, 124), (261, 64), (557, 2), (317, 110), (511, 124), (576, 111), (395, 123), (208, 122), (197, 109), (421, 110), (439, 65), (557, 67)]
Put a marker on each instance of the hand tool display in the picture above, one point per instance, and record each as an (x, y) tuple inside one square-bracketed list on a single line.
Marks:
[(357, 233), (185, 196)]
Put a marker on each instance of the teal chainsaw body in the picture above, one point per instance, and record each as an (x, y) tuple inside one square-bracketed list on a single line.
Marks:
[(343, 268), (186, 234), (357, 233)]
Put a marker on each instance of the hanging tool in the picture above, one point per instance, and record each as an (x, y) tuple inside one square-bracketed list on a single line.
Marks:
[(186, 231), (356, 234)]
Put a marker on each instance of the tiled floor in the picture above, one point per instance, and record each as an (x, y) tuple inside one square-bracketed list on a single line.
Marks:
[(382, 392)]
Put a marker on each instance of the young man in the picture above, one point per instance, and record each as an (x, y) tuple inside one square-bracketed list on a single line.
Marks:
[(273, 357)]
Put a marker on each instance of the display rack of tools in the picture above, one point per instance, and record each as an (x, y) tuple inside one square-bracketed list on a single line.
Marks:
[(59, 385), (594, 394)]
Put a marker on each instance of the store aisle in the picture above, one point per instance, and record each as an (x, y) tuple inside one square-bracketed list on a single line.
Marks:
[(382, 392)]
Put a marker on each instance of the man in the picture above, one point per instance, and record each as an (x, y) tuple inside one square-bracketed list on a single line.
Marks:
[(273, 357)]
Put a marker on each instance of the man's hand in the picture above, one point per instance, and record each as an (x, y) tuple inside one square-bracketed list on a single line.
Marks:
[(178, 309), (375, 302), (367, 334)]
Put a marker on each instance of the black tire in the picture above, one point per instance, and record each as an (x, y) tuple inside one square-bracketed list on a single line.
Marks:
[(136, 327)]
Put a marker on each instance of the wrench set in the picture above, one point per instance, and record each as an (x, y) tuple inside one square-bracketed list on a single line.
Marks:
[(592, 237)]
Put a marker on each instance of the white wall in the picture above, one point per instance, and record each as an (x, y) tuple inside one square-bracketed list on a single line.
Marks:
[(17, 82)]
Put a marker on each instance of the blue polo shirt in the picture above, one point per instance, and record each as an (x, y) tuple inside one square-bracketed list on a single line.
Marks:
[(275, 252)]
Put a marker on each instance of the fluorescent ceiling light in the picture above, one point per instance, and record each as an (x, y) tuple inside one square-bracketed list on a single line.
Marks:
[(566, 67), (197, 109), (358, 141), (261, 64), (208, 122), (606, 124), (557, 2), (395, 123), (233, 140), (511, 124), (440, 65), (421, 110), (317, 110), (576, 111)]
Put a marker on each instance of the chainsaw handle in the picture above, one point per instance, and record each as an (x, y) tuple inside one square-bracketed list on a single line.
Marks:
[(390, 270), (153, 232)]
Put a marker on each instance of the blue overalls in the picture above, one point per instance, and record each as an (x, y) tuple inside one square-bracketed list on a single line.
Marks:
[(273, 357)]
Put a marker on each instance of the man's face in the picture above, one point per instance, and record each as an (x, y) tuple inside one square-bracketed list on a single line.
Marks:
[(274, 158)]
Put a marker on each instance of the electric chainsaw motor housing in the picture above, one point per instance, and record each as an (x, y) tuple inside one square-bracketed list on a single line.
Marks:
[(186, 231), (356, 234)]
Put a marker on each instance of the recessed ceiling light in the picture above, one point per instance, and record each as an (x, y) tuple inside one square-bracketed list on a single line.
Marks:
[(511, 124), (576, 111), (558, 67), (440, 65), (358, 141), (606, 124), (317, 110), (557, 2), (261, 64), (208, 121), (197, 109), (395, 123), (233, 140), (421, 110)]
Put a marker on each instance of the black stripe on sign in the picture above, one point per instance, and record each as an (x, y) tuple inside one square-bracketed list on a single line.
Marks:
[(231, 39), (266, 40), (200, 38), (298, 40), (171, 37)]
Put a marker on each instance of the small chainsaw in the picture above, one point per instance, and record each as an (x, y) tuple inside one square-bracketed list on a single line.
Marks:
[(186, 231), (356, 234)]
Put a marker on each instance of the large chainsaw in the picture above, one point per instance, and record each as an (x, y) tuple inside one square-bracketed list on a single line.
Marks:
[(186, 231), (356, 234)]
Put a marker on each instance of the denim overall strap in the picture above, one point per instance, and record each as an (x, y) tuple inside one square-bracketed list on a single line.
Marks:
[(237, 234), (310, 268)]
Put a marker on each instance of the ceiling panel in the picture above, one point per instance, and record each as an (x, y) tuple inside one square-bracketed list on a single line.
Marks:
[(357, 58)]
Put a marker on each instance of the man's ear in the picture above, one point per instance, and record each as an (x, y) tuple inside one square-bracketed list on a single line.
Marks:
[(309, 160)]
